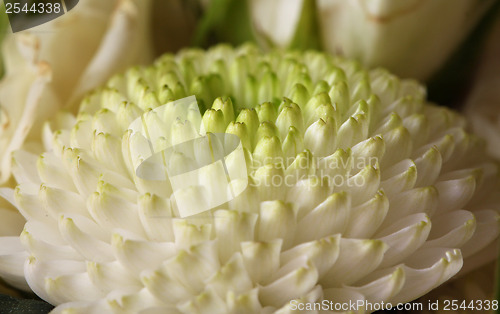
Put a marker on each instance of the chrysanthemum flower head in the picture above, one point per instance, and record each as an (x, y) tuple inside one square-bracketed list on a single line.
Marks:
[(357, 189)]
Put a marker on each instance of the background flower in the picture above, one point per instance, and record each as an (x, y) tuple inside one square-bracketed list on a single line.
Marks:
[(483, 105), (482, 109), (54, 64), (378, 33), (99, 238)]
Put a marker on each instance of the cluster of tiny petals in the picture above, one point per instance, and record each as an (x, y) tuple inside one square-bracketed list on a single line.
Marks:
[(411, 204)]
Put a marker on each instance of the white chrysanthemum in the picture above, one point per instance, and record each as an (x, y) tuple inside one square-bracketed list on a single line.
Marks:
[(416, 205)]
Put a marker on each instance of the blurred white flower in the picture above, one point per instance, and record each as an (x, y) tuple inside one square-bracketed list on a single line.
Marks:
[(483, 105), (54, 64), (416, 205), (411, 38)]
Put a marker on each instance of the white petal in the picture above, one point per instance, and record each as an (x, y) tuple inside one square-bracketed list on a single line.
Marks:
[(307, 194), (269, 182), (262, 259), (248, 200), (451, 229), (83, 174), (454, 194), (232, 228), (369, 151), (277, 220), (60, 201), (313, 296), (231, 277), (82, 133), (28, 205), (428, 167), (131, 301), (338, 164), (12, 257), (37, 240), (164, 287), (192, 267), (24, 167), (351, 132), (52, 174), (302, 167), (320, 137), (357, 258), (89, 247), (72, 287), (388, 123), (109, 276), (329, 217), (36, 273), (361, 186), (404, 237), (400, 177), (444, 145), (107, 151), (366, 218), (323, 253), (418, 126), (187, 234), (383, 288), (137, 255), (487, 229), (426, 270), (289, 286), (110, 211), (244, 303), (398, 146), (418, 200), (206, 302)]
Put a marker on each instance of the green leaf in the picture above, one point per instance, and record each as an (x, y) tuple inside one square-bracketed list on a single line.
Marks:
[(231, 21), (4, 28), (307, 32), (13, 305), (225, 21)]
